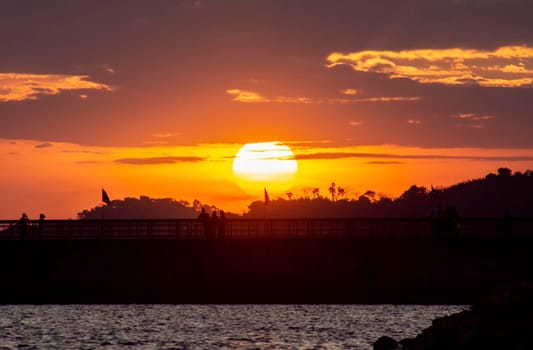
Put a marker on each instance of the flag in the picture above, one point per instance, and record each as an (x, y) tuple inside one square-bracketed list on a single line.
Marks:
[(267, 199), (105, 197)]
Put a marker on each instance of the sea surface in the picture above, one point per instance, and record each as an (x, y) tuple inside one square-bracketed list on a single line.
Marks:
[(210, 326)]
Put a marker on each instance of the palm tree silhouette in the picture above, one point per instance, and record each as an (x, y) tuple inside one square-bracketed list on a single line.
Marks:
[(332, 190)]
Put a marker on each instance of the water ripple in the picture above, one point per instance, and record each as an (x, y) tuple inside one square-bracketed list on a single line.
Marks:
[(194, 327)]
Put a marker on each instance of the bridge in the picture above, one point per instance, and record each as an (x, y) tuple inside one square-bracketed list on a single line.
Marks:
[(191, 229), (364, 260)]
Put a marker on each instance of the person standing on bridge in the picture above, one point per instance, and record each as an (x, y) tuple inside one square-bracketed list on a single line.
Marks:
[(221, 226), (213, 225), (23, 225), (204, 220), (40, 224)]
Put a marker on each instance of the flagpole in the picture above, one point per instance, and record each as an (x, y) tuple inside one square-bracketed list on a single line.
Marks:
[(102, 212), (265, 203)]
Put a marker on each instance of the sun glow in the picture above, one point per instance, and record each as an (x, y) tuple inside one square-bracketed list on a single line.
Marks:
[(261, 165)]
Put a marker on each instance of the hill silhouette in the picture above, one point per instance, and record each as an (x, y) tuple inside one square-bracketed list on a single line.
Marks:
[(490, 196), (145, 208)]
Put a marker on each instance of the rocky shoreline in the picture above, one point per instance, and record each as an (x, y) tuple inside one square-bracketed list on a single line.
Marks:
[(501, 321)]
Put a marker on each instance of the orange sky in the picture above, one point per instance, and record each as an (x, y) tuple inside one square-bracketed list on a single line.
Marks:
[(156, 97), (62, 179)]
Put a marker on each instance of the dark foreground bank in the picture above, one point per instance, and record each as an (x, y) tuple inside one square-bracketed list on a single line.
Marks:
[(349, 270), (501, 321)]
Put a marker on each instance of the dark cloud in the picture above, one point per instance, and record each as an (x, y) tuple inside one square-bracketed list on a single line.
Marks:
[(158, 160), (44, 145), (83, 152), (383, 162), (341, 155)]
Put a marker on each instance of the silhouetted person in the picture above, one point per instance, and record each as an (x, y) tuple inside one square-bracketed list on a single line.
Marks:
[(213, 222), (221, 227), (204, 219), (507, 221), (40, 224), (23, 225)]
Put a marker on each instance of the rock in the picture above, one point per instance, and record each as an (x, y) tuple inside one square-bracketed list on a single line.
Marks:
[(501, 321), (386, 343)]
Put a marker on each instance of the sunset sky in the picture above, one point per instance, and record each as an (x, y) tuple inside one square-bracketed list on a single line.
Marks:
[(156, 97)]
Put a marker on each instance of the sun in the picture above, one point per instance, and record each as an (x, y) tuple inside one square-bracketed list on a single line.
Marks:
[(269, 165)]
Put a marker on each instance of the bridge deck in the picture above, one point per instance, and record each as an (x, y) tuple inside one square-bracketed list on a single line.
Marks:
[(257, 228)]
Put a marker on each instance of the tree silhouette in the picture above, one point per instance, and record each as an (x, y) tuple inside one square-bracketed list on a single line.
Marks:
[(370, 195), (341, 192), (333, 191), (146, 208), (289, 195), (504, 172), (486, 197)]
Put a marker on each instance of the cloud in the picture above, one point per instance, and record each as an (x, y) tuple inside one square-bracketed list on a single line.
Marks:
[(82, 151), (20, 86), (387, 99), (254, 97), (44, 145), (507, 66), (473, 120), (155, 143), (474, 116), (164, 135), (350, 92), (343, 155), (414, 122), (377, 162), (354, 123), (109, 69), (158, 160)]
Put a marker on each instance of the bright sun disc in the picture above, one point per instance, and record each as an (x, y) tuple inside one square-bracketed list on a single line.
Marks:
[(269, 165)]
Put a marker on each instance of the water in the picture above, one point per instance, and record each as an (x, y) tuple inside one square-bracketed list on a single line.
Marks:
[(210, 326)]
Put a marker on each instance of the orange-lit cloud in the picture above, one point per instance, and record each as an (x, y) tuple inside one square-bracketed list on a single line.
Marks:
[(354, 123), (473, 120), (350, 92), (165, 135), (388, 99), (109, 69), (507, 66), (158, 160), (414, 122), (475, 116), (254, 97), (20, 86)]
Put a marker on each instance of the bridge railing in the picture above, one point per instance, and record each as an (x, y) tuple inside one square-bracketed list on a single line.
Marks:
[(259, 228)]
